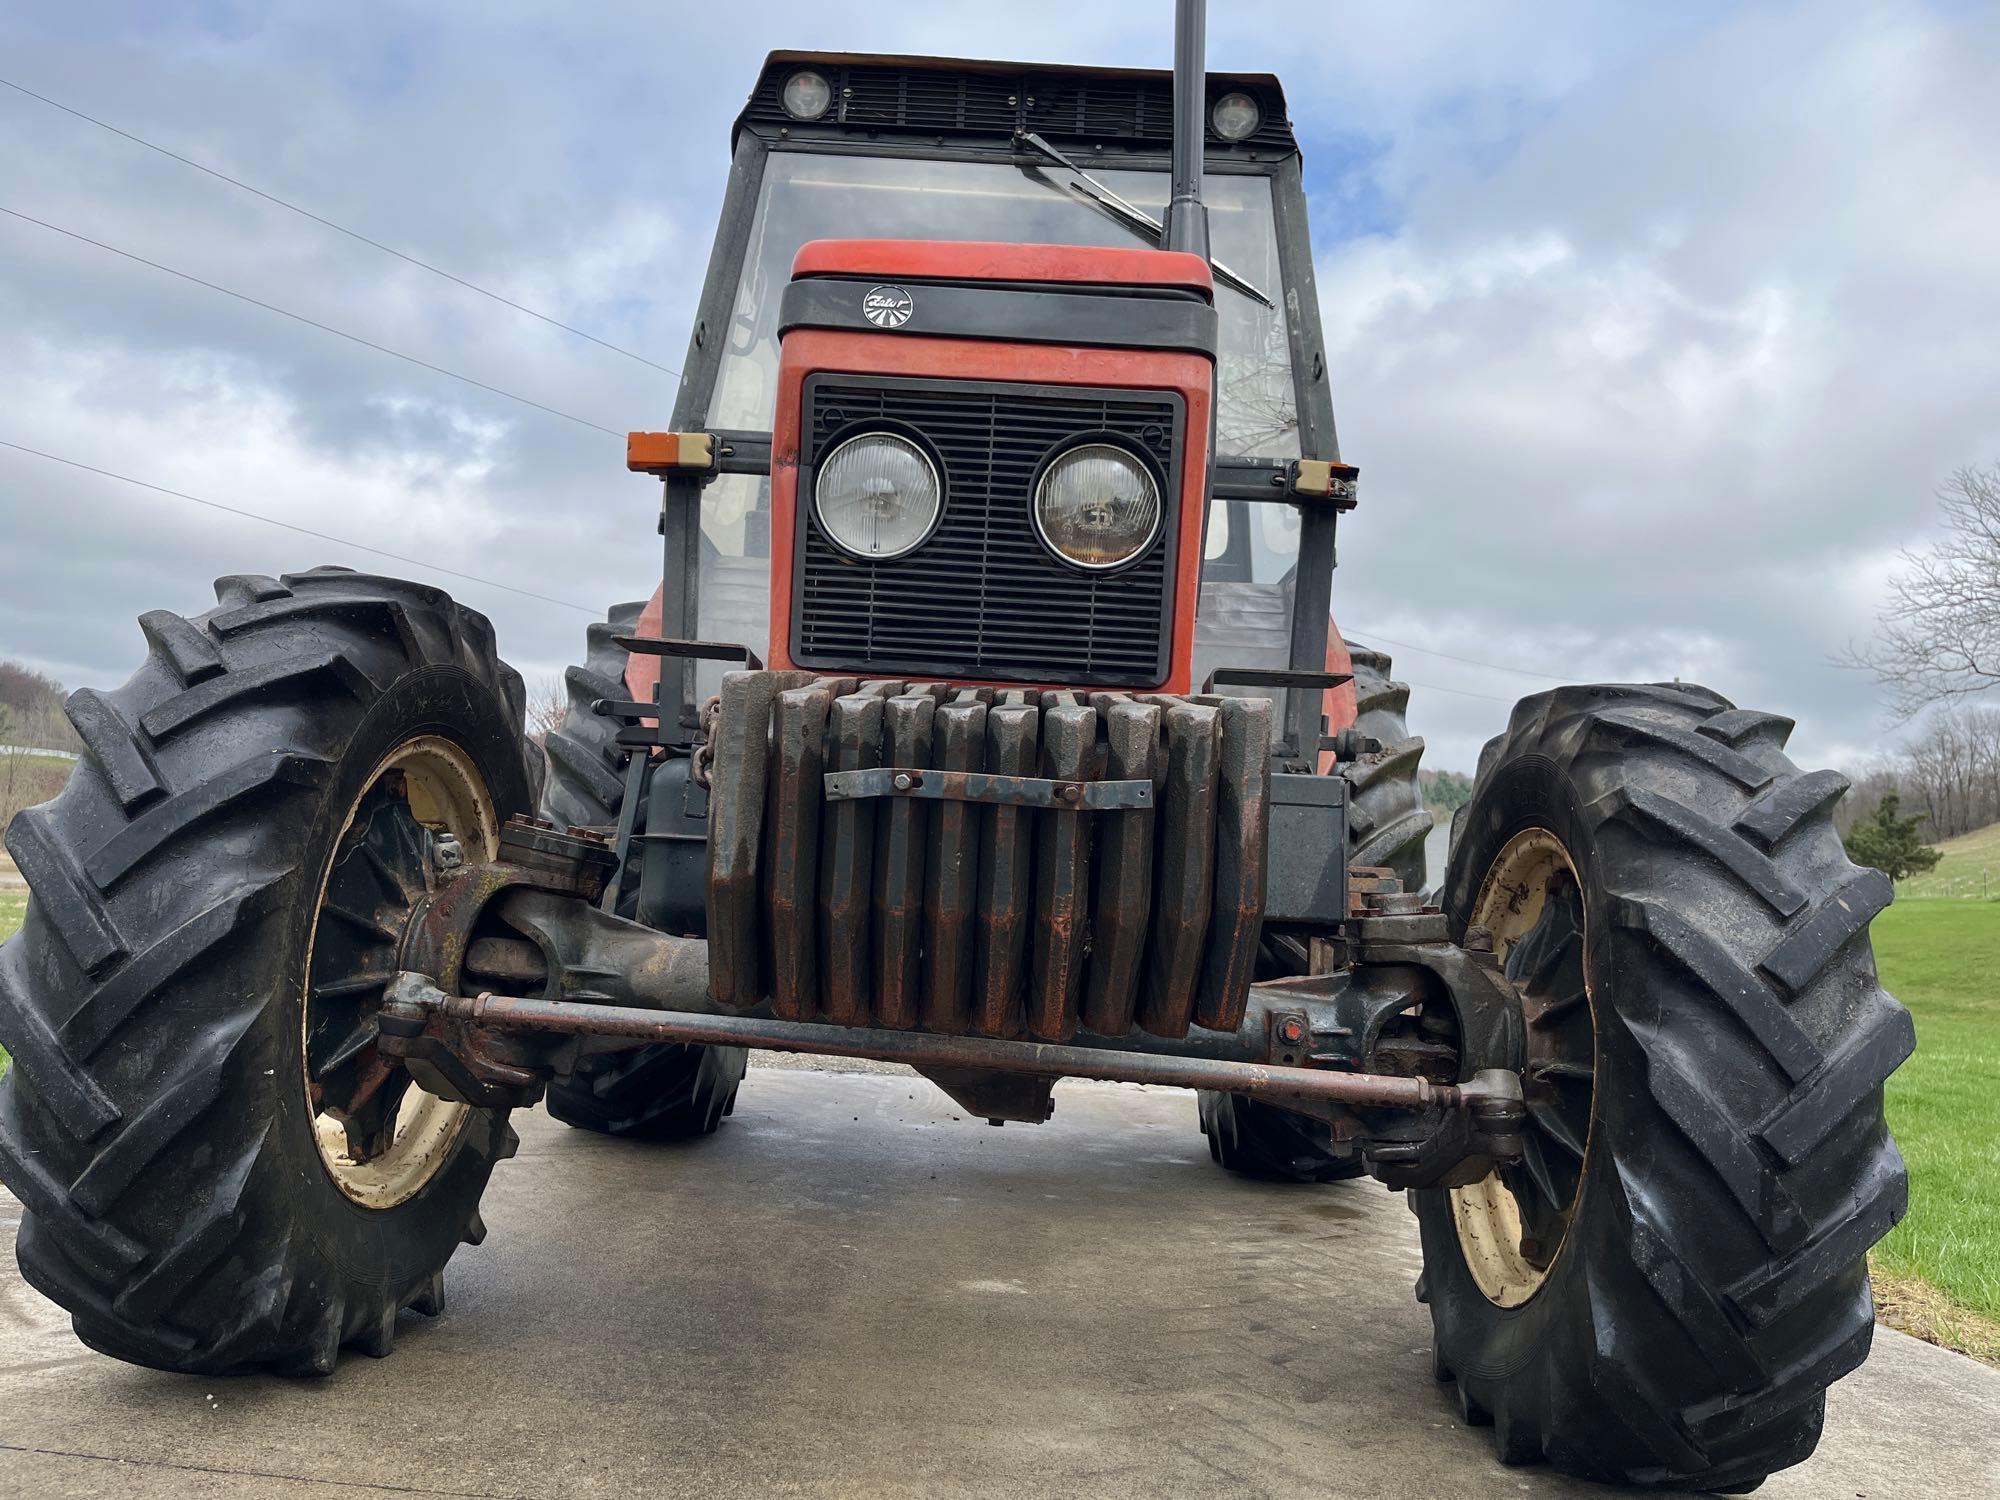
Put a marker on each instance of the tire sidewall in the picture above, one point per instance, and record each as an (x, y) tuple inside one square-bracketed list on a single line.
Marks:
[(1476, 1336), (1713, 1281), (396, 1248)]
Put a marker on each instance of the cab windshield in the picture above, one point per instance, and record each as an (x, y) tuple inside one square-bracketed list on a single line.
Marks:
[(815, 197), (812, 195)]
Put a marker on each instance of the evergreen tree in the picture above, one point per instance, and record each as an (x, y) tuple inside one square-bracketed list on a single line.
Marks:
[(1890, 842)]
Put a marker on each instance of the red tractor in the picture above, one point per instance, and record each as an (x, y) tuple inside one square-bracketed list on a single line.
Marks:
[(990, 719)]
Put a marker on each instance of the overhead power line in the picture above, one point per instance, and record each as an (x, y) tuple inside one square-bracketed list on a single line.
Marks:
[(324, 536), (1432, 687), (353, 234), (418, 562), (1491, 666), (352, 338)]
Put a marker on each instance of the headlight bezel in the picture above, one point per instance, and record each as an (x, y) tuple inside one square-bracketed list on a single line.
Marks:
[(909, 438), (785, 92), (1231, 97), (1076, 445)]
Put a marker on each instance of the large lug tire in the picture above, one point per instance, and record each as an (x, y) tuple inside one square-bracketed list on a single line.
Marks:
[(1668, 892), (1387, 823), (156, 1123), (586, 782), (1254, 1139), (652, 1093), (647, 1093)]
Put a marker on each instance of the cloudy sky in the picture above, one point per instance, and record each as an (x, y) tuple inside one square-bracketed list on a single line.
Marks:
[(1653, 328)]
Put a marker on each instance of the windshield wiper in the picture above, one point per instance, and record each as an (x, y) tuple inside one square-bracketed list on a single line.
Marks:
[(1133, 218)]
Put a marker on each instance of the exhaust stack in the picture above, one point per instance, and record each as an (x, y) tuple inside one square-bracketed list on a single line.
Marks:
[(1186, 225)]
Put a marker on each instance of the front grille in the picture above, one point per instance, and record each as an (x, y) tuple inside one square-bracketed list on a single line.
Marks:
[(983, 598), (1123, 109)]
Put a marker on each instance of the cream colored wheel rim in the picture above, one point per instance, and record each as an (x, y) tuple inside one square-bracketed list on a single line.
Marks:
[(446, 795), (1488, 1216)]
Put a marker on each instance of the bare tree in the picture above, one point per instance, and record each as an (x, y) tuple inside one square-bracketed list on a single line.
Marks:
[(9, 759), (34, 702), (1870, 785), (1939, 638), (1948, 770), (548, 701)]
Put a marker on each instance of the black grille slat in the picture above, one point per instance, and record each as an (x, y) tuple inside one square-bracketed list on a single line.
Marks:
[(920, 100), (1134, 109), (983, 597)]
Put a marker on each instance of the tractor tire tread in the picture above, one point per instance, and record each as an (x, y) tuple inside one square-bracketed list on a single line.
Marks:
[(1387, 824), (1261, 1141), (1763, 1039), (648, 1093), (653, 1093), (584, 787), (1388, 821), (137, 1218)]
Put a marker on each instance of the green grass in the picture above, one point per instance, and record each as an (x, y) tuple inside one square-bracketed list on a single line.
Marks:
[(27, 779), (1970, 869), (45, 761), (13, 909), (1942, 959)]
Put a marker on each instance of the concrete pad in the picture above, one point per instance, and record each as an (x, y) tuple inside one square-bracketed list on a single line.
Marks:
[(849, 1293)]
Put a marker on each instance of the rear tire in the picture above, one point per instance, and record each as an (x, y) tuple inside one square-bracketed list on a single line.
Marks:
[(1254, 1139), (1703, 1277), (1387, 823), (648, 1093), (586, 782), (156, 1123), (652, 1093)]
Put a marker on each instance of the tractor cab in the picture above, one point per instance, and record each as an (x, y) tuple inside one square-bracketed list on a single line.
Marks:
[(985, 237)]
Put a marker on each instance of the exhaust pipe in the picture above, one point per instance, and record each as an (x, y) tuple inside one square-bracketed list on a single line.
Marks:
[(1186, 226)]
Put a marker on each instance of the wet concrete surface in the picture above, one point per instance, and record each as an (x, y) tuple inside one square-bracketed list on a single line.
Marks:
[(848, 1292)]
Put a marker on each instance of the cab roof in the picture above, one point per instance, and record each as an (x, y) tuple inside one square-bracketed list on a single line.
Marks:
[(887, 94)]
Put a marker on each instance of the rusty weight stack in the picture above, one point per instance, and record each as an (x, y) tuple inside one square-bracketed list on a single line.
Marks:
[(965, 915)]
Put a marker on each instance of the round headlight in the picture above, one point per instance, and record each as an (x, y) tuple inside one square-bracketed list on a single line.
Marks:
[(1236, 116), (806, 95), (1097, 506), (877, 495)]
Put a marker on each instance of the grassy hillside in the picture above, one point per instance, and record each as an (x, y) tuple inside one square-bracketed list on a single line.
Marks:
[(1942, 959), (13, 907), (1970, 868), (27, 778)]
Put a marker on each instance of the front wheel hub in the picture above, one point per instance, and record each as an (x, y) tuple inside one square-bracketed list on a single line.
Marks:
[(422, 813), (1513, 1223)]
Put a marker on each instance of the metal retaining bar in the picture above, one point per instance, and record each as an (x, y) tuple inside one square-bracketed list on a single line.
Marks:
[(977, 786)]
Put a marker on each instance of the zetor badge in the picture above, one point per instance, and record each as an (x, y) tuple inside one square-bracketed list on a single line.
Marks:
[(887, 307)]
